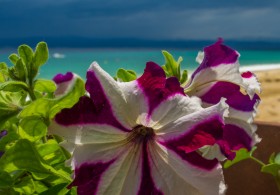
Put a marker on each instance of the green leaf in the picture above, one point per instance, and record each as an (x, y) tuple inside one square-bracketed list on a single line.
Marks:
[(171, 65), (59, 189), (241, 154), (40, 176), (48, 108), (166, 71), (26, 54), (8, 191), (126, 75), (277, 159), (3, 78), (41, 54), (20, 71), (13, 86), (173, 68), (10, 138), (73, 191), (40, 187), (3, 66), (14, 58), (5, 179), (4, 72), (69, 99), (184, 77), (51, 152), (10, 105), (13, 73), (39, 108), (272, 169), (44, 86), (271, 158), (24, 156), (26, 186), (32, 128)]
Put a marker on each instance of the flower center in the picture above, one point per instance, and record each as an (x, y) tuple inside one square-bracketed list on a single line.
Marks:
[(141, 133)]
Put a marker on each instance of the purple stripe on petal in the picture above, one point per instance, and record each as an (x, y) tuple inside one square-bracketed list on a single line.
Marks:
[(217, 54), (88, 176), (156, 87), (1, 153), (247, 74), (231, 92), (236, 137), (197, 160), (88, 112), (95, 89), (147, 185), (226, 150), (93, 110), (60, 78), (206, 133)]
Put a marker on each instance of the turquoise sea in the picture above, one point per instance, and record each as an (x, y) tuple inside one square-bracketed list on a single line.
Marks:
[(78, 60)]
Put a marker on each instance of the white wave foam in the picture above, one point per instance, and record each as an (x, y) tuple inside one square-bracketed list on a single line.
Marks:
[(259, 67)]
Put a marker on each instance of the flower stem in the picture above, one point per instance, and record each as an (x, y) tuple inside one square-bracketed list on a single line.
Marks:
[(277, 180), (44, 139), (257, 160), (31, 93)]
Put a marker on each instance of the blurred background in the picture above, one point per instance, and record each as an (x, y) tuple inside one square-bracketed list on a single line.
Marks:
[(122, 33)]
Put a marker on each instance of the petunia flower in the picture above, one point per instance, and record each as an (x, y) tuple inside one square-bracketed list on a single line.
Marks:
[(141, 137), (218, 77)]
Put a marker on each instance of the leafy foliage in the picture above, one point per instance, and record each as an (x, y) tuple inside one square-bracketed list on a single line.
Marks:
[(273, 167), (241, 154), (31, 161), (173, 68), (125, 75)]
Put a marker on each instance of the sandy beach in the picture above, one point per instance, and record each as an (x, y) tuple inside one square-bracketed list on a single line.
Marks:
[(269, 108)]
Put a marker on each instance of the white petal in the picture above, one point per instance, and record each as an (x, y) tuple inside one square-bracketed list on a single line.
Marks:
[(212, 152), (174, 108), (199, 57), (136, 103), (125, 177), (185, 123), (86, 134), (64, 87), (89, 153), (128, 102), (182, 177)]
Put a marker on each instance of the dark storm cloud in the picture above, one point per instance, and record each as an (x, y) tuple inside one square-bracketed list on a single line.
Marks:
[(152, 19)]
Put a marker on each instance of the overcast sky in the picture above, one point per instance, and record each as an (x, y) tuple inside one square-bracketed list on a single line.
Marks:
[(145, 19)]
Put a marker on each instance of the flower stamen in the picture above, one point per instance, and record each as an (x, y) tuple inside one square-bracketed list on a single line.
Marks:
[(141, 133)]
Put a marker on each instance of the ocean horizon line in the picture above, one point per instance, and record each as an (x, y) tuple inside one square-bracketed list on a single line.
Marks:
[(138, 43)]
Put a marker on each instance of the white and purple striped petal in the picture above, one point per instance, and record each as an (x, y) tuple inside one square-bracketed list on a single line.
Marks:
[(251, 82), (156, 87), (241, 105), (219, 63), (64, 83)]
